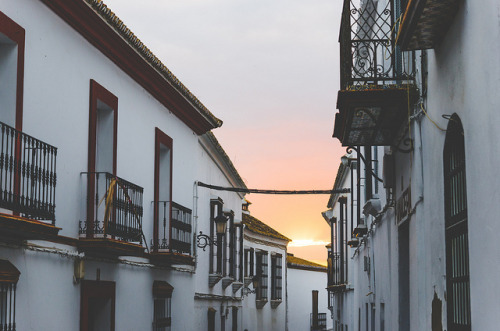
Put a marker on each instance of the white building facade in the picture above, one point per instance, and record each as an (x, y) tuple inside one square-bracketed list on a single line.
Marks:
[(102, 148), (417, 87)]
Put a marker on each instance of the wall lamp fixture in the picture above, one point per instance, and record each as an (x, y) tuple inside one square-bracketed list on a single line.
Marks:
[(245, 291), (345, 161), (203, 240)]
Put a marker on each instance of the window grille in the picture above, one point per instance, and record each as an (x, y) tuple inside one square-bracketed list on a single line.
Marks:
[(262, 273), (9, 275), (162, 310), (276, 277), (456, 228)]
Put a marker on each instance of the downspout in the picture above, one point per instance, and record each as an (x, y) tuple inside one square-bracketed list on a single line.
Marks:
[(195, 222)]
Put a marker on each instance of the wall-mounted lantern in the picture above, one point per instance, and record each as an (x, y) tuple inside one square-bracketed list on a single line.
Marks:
[(203, 240)]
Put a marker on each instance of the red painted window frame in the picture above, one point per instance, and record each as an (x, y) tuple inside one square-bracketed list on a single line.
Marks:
[(98, 92), (17, 34), (96, 289), (161, 139)]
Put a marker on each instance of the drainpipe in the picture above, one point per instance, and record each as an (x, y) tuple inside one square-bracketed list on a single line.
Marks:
[(195, 222)]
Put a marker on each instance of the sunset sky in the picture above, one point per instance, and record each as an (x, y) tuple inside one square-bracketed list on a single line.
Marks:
[(269, 70)]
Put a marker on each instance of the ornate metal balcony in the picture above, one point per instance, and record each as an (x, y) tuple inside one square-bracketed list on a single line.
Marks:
[(318, 323), (113, 216), (173, 240), (336, 278), (376, 77), (27, 185)]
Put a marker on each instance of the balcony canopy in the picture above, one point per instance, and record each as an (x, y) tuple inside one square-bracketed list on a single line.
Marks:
[(425, 22)]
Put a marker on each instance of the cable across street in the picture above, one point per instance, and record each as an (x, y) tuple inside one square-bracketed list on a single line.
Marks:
[(260, 191)]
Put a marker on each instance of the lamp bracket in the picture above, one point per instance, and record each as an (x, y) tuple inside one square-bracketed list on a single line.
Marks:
[(349, 151)]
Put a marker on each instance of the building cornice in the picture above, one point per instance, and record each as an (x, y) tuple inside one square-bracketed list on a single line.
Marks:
[(105, 31)]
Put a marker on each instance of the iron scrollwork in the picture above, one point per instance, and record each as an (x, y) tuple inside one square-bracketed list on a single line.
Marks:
[(203, 240), (349, 150)]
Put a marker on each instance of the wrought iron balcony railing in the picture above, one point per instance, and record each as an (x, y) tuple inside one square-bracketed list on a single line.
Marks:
[(114, 208), (335, 275), (320, 323), (368, 52), (175, 232), (27, 175)]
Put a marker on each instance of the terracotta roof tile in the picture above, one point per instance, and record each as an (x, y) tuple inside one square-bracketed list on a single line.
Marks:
[(297, 261), (259, 227)]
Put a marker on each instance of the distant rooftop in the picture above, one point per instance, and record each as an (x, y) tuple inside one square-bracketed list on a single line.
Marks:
[(298, 263), (256, 226)]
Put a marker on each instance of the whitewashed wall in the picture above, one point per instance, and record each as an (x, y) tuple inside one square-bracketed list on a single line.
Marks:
[(210, 171), (266, 318), (300, 284), (59, 64)]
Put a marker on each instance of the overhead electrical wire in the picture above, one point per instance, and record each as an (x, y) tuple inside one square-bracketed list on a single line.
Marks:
[(249, 190)]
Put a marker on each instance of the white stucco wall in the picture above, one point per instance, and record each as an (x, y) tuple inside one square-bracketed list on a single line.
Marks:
[(300, 284), (267, 317)]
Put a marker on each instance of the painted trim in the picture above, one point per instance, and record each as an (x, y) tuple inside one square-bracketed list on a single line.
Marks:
[(102, 36), (161, 139), (96, 289), (98, 92), (17, 34)]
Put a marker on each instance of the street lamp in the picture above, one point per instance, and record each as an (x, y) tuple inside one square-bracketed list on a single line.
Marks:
[(203, 240)]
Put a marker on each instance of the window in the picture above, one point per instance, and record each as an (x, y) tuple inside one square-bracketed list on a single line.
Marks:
[(9, 275), (97, 305), (249, 262), (229, 246), (262, 273), (215, 253), (276, 277), (162, 310), (382, 316), (162, 191), (211, 319), (456, 228), (103, 119), (12, 41), (235, 318)]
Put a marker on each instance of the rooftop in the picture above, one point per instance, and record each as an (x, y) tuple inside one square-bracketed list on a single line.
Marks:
[(256, 226), (298, 263)]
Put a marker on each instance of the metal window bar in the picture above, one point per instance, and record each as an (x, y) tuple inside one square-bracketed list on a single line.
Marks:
[(456, 229), (162, 319), (262, 272), (181, 229), (335, 276), (321, 318), (125, 210), (276, 277), (8, 306), (368, 53), (27, 175)]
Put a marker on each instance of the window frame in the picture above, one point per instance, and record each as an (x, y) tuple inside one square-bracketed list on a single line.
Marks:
[(9, 276), (276, 277), (91, 289), (98, 92), (162, 303), (17, 34), (262, 272), (161, 139)]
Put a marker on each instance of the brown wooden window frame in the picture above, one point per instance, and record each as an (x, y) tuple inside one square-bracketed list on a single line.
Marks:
[(162, 138), (98, 92), (96, 289)]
